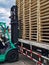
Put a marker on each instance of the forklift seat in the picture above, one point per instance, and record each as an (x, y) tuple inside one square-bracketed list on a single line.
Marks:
[(1, 45)]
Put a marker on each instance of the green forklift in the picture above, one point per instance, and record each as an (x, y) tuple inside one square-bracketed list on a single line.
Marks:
[(9, 44), (8, 51)]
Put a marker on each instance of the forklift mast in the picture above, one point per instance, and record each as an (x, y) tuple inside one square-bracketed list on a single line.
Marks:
[(14, 24)]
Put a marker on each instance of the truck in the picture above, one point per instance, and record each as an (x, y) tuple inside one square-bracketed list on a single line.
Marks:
[(33, 16)]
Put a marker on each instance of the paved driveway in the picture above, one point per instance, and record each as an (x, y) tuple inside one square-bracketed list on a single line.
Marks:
[(22, 61)]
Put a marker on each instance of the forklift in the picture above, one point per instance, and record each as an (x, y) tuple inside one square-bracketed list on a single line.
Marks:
[(9, 44)]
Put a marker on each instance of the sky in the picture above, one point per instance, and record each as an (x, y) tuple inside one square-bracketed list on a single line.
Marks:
[(5, 6)]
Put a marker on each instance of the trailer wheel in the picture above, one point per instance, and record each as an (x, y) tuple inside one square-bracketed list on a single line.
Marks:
[(12, 56)]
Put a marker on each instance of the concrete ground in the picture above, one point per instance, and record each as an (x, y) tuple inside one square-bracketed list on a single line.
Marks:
[(22, 61)]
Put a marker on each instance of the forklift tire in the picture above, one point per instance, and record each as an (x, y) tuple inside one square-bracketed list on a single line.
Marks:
[(12, 56)]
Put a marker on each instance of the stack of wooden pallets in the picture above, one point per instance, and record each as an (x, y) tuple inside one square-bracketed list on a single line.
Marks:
[(44, 17), (26, 20), (34, 19)]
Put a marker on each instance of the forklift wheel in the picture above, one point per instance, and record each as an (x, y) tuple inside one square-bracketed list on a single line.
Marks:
[(12, 55)]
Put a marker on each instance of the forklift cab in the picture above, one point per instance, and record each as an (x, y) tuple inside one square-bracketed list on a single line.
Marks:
[(2, 44), (3, 40)]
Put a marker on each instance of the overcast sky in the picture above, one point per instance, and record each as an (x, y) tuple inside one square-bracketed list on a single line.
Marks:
[(5, 6)]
